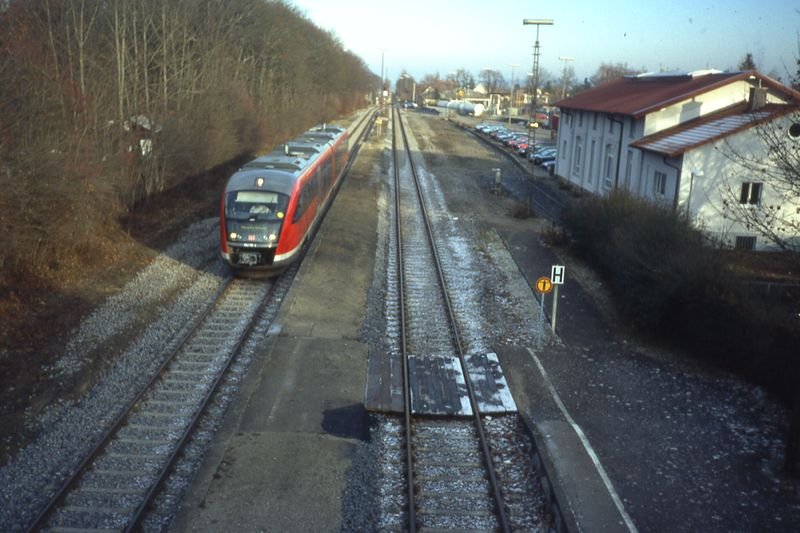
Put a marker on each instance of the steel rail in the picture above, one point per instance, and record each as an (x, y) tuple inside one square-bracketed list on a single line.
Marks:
[(412, 513), (65, 487), (202, 407), (236, 350), (103, 441), (484, 443)]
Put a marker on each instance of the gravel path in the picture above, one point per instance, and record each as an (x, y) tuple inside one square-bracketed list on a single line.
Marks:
[(152, 311)]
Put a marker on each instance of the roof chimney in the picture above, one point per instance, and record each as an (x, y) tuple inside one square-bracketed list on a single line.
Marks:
[(758, 98)]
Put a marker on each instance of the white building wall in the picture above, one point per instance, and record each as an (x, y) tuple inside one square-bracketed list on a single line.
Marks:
[(711, 182), (594, 171), (700, 181), (659, 179), (699, 105)]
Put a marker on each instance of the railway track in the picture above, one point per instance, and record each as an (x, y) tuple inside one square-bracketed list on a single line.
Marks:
[(451, 481), (116, 484)]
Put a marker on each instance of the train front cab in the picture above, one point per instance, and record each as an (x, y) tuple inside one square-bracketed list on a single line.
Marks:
[(253, 214), (301, 175)]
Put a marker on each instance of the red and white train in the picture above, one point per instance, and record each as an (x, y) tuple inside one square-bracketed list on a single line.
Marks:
[(271, 205)]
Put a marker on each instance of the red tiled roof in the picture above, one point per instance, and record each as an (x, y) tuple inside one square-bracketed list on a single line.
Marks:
[(638, 95), (709, 128)]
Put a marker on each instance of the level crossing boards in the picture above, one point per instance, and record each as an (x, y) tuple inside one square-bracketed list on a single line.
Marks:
[(437, 384)]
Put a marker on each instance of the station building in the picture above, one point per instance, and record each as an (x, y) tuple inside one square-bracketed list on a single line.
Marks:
[(707, 143)]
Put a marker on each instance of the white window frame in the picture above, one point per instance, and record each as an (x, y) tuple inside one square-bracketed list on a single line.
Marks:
[(576, 164), (609, 166), (659, 183), (750, 193)]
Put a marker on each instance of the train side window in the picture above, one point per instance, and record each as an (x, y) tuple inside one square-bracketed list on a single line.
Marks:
[(300, 207)]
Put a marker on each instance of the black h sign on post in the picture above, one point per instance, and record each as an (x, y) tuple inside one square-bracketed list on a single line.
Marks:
[(557, 274), (557, 277)]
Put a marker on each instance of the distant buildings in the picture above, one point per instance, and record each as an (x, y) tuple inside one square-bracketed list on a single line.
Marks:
[(691, 142)]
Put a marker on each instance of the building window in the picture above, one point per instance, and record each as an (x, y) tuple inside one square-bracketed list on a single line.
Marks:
[(580, 119), (660, 183), (610, 125), (591, 162), (632, 128), (745, 243), (609, 170), (564, 150), (576, 164), (628, 168), (751, 193), (594, 122)]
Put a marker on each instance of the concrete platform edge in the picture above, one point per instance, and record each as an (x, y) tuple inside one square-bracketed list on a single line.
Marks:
[(557, 502)]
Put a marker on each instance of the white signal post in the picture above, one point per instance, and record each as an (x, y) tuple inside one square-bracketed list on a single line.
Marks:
[(557, 278)]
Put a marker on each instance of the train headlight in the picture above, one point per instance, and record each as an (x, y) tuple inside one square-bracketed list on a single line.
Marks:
[(273, 237), (233, 236)]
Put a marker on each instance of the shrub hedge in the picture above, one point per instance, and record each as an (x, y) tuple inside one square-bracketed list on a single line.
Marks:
[(676, 289)]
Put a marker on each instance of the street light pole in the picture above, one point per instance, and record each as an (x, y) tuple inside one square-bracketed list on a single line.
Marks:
[(383, 84), (511, 98), (538, 23), (564, 75)]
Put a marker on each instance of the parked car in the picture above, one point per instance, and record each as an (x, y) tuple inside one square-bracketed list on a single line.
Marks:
[(548, 154), (517, 141), (538, 147), (497, 132), (549, 166)]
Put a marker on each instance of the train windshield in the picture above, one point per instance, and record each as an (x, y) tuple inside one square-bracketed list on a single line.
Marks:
[(256, 205)]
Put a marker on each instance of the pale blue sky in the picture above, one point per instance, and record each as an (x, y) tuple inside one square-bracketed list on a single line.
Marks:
[(428, 36)]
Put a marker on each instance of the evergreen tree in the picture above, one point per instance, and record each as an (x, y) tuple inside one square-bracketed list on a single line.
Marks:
[(747, 63)]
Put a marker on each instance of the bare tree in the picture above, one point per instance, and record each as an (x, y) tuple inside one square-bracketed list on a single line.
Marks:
[(609, 71), (794, 77), (463, 81), (492, 79), (568, 81)]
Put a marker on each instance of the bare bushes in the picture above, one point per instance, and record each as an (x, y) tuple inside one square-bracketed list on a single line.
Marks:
[(670, 286), (51, 229), (222, 126), (648, 254)]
